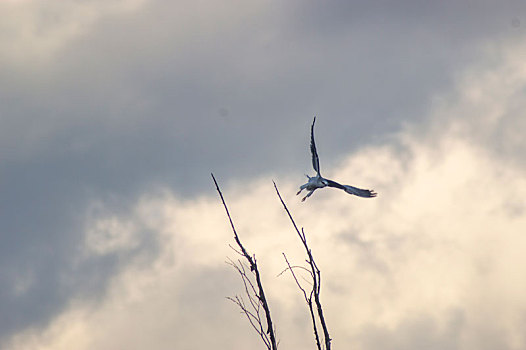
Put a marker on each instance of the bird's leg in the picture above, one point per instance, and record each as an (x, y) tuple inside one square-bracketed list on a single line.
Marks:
[(302, 187), (308, 195)]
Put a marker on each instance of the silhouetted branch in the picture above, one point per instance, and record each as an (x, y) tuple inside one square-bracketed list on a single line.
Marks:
[(316, 283), (256, 296), (308, 300), (253, 311)]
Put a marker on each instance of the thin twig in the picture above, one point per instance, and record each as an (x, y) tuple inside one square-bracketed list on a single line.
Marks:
[(254, 320), (294, 267)]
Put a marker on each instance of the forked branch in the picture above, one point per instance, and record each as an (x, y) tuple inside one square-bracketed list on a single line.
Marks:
[(255, 294), (316, 284)]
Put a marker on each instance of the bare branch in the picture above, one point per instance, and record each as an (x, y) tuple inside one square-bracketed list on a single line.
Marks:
[(253, 311), (254, 320), (294, 276), (234, 249), (308, 300), (261, 300), (294, 267), (316, 282)]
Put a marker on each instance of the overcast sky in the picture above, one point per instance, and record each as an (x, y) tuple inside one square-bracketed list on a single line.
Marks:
[(113, 113)]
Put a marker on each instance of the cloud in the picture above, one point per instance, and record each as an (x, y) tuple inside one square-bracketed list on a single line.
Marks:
[(145, 73), (49, 28), (105, 102), (435, 261)]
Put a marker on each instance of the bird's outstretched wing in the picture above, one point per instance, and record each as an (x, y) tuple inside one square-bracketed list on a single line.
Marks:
[(352, 190), (315, 158)]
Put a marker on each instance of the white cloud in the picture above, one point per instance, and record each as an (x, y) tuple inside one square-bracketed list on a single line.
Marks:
[(435, 261), (109, 235)]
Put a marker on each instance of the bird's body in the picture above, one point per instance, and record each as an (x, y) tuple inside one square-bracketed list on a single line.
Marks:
[(319, 181), (312, 185)]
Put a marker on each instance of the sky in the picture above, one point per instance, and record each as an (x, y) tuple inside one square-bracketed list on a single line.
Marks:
[(114, 113)]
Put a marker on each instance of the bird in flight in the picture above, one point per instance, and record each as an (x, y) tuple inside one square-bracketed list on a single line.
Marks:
[(319, 181)]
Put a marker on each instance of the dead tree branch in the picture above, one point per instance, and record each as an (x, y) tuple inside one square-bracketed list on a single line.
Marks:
[(308, 300), (256, 296), (316, 283)]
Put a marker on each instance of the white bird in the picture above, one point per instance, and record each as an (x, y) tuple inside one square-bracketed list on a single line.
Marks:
[(319, 181)]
